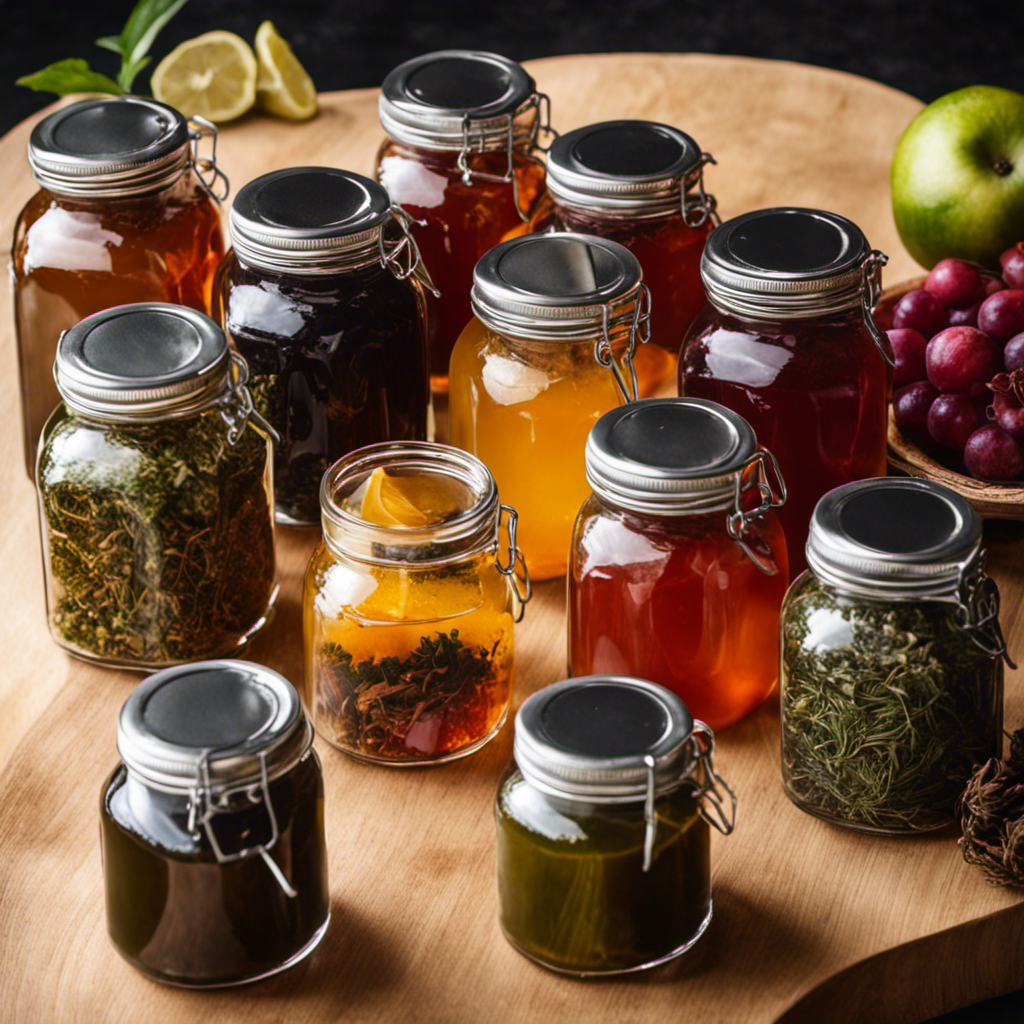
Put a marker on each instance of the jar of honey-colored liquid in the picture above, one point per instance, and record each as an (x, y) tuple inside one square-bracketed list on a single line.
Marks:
[(122, 215), (788, 342), (550, 349), (460, 156), (642, 184)]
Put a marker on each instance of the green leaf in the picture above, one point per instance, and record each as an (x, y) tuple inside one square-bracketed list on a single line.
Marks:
[(110, 43), (143, 25), (128, 72), (66, 76)]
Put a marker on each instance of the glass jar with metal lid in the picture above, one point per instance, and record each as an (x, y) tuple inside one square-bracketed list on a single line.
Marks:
[(127, 211), (891, 658), (550, 348), (321, 293), (642, 184), (460, 156), (409, 604), (602, 821), (787, 340), (154, 492), (212, 827), (678, 563)]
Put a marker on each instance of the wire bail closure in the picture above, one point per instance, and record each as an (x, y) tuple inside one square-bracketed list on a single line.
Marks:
[(977, 609), (392, 259), (871, 289), (699, 209), (515, 556), (236, 407), (639, 331), (209, 174), (717, 808), (772, 495)]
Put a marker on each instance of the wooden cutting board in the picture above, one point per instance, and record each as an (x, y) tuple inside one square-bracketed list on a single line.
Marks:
[(811, 923)]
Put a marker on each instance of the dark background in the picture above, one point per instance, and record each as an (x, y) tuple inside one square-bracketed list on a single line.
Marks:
[(924, 48)]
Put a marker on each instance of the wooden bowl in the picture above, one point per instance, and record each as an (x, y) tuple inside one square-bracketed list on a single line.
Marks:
[(991, 501)]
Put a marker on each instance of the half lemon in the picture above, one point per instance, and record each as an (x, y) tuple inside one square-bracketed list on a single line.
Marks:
[(283, 87)]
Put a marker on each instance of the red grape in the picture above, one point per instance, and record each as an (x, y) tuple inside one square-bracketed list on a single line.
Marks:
[(1001, 315), (908, 347), (961, 361), (956, 283), (1013, 354), (1008, 413), (952, 419), (910, 407), (920, 311), (993, 285), (964, 317), (1012, 262), (991, 454)]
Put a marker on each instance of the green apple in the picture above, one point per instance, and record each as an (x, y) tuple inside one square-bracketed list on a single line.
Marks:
[(958, 177)]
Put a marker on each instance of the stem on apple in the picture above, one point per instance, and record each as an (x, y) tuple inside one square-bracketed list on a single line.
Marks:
[(1002, 166)]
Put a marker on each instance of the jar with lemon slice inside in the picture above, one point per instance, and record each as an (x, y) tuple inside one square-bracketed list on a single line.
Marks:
[(409, 605)]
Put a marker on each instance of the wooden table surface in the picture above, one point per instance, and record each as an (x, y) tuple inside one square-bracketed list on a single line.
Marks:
[(811, 922)]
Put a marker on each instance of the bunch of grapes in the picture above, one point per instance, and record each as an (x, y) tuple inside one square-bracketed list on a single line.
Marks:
[(959, 375)]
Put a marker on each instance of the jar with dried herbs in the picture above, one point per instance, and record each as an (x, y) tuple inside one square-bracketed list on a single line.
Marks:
[(154, 487), (122, 215), (409, 603), (891, 658)]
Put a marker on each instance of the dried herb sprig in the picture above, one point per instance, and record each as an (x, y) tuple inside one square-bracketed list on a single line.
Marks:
[(886, 709)]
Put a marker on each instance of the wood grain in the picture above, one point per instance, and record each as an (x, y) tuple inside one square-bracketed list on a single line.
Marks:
[(810, 922)]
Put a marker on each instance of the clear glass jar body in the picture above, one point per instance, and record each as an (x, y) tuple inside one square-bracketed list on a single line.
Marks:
[(814, 390), (887, 708), (463, 220), (337, 361), (674, 599), (525, 407), (158, 540), (571, 885), (181, 917), (73, 257)]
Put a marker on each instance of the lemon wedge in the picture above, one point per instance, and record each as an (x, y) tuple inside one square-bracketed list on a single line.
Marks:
[(282, 87), (416, 501), (213, 75)]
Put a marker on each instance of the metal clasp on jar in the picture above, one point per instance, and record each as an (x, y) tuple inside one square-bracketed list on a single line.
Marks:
[(404, 258), (755, 474), (698, 209), (209, 174), (515, 556), (977, 609), (236, 408), (870, 290), (639, 331)]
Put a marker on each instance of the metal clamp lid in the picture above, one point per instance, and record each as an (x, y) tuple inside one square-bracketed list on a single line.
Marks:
[(515, 558)]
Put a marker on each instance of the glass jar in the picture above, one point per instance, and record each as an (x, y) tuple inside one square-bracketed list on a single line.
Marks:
[(122, 215), (460, 158), (321, 293), (409, 628), (212, 827), (642, 184), (891, 658), (555, 316), (678, 563), (154, 492), (602, 821), (788, 342)]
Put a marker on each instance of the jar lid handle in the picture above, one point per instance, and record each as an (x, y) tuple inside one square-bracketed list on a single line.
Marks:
[(717, 808)]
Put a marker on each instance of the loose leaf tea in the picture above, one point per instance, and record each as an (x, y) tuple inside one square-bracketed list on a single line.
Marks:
[(159, 536), (886, 709)]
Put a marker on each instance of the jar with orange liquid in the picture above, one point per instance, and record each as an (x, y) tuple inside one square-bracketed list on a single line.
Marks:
[(122, 215), (461, 158), (550, 348), (679, 567), (642, 184), (409, 605)]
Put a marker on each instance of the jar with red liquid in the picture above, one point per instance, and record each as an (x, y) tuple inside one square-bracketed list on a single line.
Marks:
[(678, 564), (460, 157), (787, 340), (641, 184)]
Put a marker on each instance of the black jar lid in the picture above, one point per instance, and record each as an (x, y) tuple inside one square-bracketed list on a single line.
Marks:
[(109, 147), (143, 361), (669, 456), (892, 538), (212, 725), (623, 165), (553, 285), (428, 99)]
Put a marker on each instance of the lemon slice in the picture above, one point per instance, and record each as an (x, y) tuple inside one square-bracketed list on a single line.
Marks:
[(282, 87), (213, 75), (421, 500)]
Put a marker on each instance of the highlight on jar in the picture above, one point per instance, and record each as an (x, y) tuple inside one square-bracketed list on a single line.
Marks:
[(409, 605), (557, 320)]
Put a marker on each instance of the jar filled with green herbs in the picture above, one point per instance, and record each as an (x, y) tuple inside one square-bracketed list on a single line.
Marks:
[(155, 492), (891, 658)]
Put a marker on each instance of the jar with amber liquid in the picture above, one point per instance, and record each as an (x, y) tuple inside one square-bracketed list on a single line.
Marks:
[(549, 350), (461, 157), (322, 293), (642, 184), (678, 565), (788, 342), (122, 215), (409, 604)]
